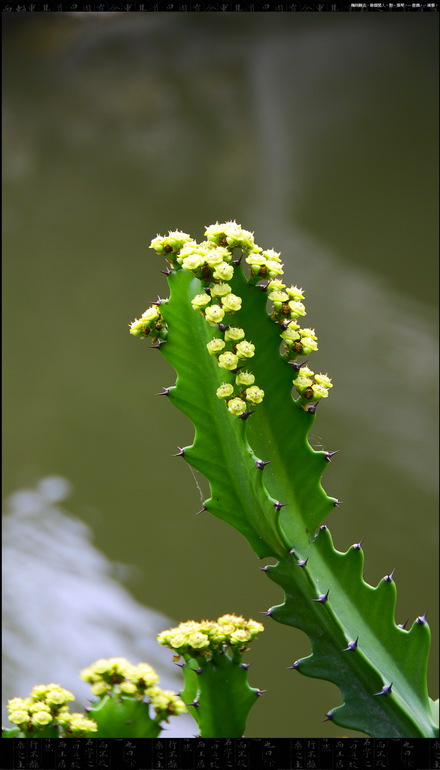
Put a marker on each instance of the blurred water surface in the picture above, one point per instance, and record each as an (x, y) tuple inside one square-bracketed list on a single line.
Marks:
[(319, 132), (63, 605)]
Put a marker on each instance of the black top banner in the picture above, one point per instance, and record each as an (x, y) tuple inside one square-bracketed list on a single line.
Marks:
[(224, 7)]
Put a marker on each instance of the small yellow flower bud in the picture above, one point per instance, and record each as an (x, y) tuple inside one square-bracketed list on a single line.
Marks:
[(231, 303), (225, 390), (254, 394), (198, 641), (237, 406), (290, 334), (245, 378), (302, 383), (324, 380), (100, 688), (215, 346), (18, 717), (228, 361), (308, 345), (319, 391), (41, 718), (245, 349), (278, 296), (295, 293), (234, 334), (220, 290), (223, 272), (272, 255), (296, 309), (214, 314), (274, 268), (193, 262), (128, 687), (200, 301)]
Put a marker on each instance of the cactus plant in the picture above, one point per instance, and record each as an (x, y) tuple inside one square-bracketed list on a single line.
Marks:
[(216, 690), (251, 443)]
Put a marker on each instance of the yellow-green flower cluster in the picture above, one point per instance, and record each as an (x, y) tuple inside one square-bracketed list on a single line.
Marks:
[(165, 702), (170, 244), (118, 675), (204, 639), (47, 706), (265, 264), (311, 386), (151, 323)]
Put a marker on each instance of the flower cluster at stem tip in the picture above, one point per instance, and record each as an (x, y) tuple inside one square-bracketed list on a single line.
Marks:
[(206, 638), (212, 262), (118, 677), (45, 707)]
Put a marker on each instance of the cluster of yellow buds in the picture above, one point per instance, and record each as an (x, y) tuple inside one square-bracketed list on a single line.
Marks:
[(212, 262), (204, 639), (47, 706), (151, 323), (311, 386), (119, 677)]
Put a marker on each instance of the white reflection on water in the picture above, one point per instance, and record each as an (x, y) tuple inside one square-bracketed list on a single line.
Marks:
[(62, 608)]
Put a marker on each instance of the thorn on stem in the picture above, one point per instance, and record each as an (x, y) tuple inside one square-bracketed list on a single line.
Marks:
[(336, 503), (389, 578), (296, 365), (245, 415), (328, 455), (195, 703), (323, 598), (158, 345), (386, 690), (262, 463), (403, 625), (167, 271), (351, 645), (202, 510), (302, 562), (264, 569), (295, 665), (180, 453), (277, 505), (421, 620), (357, 546), (328, 717), (312, 408), (198, 671), (292, 551), (245, 665), (260, 692), (267, 612), (165, 392)]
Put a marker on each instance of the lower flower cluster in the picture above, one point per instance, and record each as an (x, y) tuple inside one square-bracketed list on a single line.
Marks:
[(118, 677), (45, 707)]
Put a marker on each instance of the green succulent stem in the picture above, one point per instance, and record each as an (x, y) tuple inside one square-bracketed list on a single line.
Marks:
[(279, 507), (222, 694)]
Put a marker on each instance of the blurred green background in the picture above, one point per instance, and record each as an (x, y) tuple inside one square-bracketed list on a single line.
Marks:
[(318, 132)]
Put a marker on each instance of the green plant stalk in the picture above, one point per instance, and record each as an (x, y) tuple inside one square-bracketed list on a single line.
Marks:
[(124, 718), (379, 667), (217, 695)]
